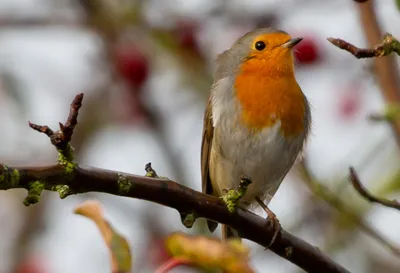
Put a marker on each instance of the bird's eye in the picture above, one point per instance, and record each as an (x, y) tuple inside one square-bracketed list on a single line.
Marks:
[(260, 45)]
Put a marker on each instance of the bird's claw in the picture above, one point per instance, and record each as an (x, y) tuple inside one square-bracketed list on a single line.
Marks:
[(273, 221)]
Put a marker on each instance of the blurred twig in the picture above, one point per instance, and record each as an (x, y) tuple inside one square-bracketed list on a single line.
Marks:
[(324, 193), (355, 181), (111, 24), (38, 22), (391, 113), (33, 222)]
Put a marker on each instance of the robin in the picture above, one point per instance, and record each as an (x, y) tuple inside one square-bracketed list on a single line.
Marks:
[(256, 120)]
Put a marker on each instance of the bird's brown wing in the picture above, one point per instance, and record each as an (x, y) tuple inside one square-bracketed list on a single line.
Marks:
[(208, 133)]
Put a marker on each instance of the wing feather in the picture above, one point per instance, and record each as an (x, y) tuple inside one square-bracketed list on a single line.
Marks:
[(208, 133)]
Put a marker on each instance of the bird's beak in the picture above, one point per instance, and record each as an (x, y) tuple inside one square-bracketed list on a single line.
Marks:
[(291, 43)]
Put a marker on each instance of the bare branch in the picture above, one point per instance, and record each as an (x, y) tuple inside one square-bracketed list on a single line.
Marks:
[(62, 137), (355, 181), (72, 120), (42, 129), (69, 178), (388, 45), (171, 194), (386, 69)]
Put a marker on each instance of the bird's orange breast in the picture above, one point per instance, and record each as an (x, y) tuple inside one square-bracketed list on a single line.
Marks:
[(268, 96)]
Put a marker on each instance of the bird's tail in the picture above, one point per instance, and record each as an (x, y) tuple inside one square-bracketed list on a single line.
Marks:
[(211, 225), (227, 232)]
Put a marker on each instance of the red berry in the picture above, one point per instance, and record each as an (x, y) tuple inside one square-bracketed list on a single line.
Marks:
[(132, 65), (31, 265), (349, 104), (186, 35), (307, 51), (186, 38)]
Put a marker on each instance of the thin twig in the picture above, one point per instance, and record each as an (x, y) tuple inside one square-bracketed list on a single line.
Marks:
[(388, 45), (386, 69), (335, 202), (67, 178), (39, 22), (355, 181), (62, 137), (150, 172)]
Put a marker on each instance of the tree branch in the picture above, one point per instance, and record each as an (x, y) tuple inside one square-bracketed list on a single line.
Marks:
[(386, 69), (170, 194), (337, 203), (355, 181), (68, 178), (388, 45)]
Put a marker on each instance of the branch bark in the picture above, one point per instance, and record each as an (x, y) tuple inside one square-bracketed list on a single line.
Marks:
[(171, 194), (388, 45), (67, 177)]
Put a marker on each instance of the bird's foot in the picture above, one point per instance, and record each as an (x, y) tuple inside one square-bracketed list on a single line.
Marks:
[(231, 197), (272, 220)]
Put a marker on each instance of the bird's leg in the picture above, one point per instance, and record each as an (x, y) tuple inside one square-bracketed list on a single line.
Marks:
[(272, 219), (224, 231), (231, 197)]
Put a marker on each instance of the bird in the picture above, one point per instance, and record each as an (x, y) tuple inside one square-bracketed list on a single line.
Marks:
[(256, 122)]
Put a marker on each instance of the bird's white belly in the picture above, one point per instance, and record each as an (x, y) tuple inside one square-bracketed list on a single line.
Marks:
[(265, 157)]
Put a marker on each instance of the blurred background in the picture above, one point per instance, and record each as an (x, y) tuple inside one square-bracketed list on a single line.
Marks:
[(145, 68)]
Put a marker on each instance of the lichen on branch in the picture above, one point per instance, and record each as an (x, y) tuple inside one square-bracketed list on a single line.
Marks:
[(61, 138), (232, 197)]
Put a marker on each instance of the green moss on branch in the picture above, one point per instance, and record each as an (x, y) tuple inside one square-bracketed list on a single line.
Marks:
[(34, 191)]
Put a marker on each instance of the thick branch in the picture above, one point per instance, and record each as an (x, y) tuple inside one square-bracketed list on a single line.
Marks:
[(367, 195), (69, 178), (174, 195)]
